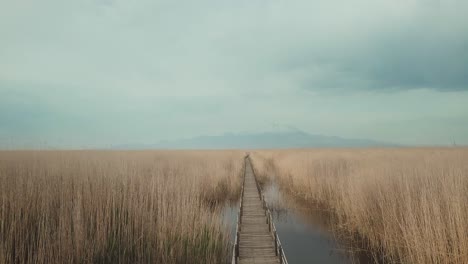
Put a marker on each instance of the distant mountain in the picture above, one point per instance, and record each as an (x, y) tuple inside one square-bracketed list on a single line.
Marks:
[(266, 140)]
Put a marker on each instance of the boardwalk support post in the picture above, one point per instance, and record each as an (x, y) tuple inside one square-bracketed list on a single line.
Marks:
[(281, 254), (276, 244), (237, 247), (269, 222)]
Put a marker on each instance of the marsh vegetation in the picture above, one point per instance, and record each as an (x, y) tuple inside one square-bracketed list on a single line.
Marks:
[(404, 205), (116, 207), (399, 205)]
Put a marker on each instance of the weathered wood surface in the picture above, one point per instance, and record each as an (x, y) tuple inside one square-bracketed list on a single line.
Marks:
[(256, 241)]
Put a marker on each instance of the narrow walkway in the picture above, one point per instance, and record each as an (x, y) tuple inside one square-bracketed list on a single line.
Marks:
[(256, 239)]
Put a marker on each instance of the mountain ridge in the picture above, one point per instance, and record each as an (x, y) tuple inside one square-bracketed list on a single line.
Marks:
[(262, 140)]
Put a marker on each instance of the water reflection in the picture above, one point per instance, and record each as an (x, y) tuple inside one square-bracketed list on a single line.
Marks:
[(229, 216), (306, 233)]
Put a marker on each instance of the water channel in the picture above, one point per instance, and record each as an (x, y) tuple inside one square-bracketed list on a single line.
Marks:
[(306, 233)]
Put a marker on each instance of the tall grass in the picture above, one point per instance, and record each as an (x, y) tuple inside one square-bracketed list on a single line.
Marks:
[(115, 207), (409, 204)]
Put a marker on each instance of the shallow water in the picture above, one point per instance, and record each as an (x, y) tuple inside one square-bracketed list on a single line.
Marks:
[(229, 216), (306, 233)]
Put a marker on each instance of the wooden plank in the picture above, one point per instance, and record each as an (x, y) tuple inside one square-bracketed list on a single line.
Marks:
[(255, 241)]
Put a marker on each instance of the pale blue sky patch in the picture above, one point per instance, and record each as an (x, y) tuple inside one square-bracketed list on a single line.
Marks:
[(98, 73)]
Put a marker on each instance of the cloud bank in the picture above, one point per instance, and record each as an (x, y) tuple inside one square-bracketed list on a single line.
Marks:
[(106, 72)]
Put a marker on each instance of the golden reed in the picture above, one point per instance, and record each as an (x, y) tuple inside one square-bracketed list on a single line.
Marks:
[(116, 207), (411, 204)]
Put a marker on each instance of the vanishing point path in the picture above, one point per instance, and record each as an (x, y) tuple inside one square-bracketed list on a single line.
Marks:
[(257, 241)]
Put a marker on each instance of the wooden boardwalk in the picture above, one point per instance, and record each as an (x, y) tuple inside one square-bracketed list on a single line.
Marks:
[(256, 237)]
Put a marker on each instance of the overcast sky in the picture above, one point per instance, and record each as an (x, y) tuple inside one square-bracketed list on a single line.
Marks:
[(94, 73)]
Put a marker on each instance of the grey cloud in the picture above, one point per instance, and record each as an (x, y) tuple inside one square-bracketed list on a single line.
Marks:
[(419, 53), (220, 47), (179, 68)]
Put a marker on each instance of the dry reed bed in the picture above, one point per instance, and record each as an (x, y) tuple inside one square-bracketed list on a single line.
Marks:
[(409, 204), (115, 207)]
